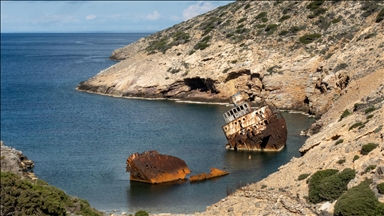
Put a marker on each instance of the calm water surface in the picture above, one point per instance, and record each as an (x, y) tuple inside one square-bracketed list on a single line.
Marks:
[(80, 142)]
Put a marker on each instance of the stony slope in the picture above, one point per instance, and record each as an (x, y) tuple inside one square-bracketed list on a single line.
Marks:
[(299, 55)]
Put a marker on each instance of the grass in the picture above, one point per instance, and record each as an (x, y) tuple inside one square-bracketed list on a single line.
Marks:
[(365, 149)]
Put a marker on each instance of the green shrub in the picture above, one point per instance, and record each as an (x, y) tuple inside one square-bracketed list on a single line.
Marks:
[(271, 27), (261, 15), (247, 6), (339, 141), (260, 26), (161, 45), (369, 7), (340, 67), (337, 20), (263, 186), (242, 20), (357, 124), (303, 176), (369, 168), (23, 197), (284, 32), (365, 149), (203, 43), (264, 19), (141, 213), (285, 17), (345, 114), (355, 158), (380, 188), (378, 129), (341, 161), (309, 38), (328, 185), (380, 16), (359, 200), (370, 116), (370, 109), (315, 5)]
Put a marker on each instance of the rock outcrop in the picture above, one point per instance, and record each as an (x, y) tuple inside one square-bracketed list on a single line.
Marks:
[(299, 55), (15, 161)]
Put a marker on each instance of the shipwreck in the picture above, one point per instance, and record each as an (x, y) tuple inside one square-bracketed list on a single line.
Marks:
[(257, 129), (153, 167)]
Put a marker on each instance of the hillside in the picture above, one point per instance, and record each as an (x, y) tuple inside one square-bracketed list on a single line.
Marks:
[(322, 57), (298, 55)]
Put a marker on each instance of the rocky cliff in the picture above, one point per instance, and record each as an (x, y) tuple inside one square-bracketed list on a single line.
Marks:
[(298, 55)]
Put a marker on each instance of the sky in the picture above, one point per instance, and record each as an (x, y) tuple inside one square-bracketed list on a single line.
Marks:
[(98, 16)]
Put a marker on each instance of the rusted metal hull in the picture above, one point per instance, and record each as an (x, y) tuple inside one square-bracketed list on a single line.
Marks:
[(262, 129), (153, 167), (213, 174)]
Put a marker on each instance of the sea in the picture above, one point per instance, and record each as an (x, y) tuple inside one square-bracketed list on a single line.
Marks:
[(79, 142)]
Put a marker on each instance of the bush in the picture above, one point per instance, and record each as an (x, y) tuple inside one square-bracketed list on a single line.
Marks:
[(242, 20), (339, 141), (380, 16), (357, 124), (368, 110), (271, 27), (309, 38), (340, 67), (328, 185), (303, 176), (285, 17), (345, 114), (380, 188), (359, 200), (141, 213), (261, 15), (38, 198), (369, 168), (203, 43), (355, 158), (365, 149), (341, 161)]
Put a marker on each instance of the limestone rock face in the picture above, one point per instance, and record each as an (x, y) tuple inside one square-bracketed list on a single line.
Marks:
[(281, 51)]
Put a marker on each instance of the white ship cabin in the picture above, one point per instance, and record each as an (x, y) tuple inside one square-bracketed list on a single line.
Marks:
[(237, 112), (241, 108)]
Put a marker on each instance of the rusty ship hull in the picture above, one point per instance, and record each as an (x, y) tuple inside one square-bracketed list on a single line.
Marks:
[(262, 129), (153, 167)]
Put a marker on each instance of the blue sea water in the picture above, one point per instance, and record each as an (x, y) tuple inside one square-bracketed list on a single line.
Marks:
[(80, 142)]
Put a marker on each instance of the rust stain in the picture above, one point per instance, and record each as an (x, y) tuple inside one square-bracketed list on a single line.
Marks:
[(153, 167), (262, 129), (203, 176)]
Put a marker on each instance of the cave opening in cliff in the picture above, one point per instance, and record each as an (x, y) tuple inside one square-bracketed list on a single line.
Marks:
[(201, 84)]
